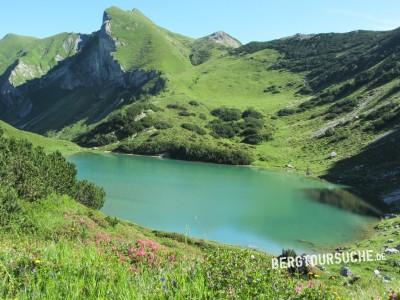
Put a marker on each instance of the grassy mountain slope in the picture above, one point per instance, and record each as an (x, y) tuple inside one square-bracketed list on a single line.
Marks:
[(50, 145), (11, 47), (214, 45), (143, 45), (35, 57), (353, 80)]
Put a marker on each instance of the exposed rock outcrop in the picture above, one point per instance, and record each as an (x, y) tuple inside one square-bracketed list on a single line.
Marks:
[(224, 39), (92, 78)]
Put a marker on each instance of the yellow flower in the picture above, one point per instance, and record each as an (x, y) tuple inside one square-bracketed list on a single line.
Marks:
[(38, 261)]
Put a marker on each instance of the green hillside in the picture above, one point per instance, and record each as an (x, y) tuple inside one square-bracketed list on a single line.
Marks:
[(11, 47), (307, 103), (141, 44), (35, 57), (50, 145)]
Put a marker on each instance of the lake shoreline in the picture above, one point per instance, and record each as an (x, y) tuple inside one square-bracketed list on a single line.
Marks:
[(140, 173), (374, 200)]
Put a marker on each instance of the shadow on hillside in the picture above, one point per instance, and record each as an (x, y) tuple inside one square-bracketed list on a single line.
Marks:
[(84, 87), (342, 199), (373, 172)]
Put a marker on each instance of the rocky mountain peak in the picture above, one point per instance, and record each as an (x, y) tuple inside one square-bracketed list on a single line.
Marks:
[(222, 38)]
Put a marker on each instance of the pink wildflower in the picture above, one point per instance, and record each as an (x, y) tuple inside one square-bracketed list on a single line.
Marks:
[(299, 289)]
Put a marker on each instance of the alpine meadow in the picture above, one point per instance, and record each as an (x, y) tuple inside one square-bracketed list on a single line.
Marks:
[(313, 121)]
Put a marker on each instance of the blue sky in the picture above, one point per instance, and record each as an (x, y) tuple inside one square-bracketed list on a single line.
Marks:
[(246, 20)]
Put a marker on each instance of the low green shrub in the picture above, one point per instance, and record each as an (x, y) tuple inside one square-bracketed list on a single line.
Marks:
[(255, 139), (185, 113), (192, 151), (252, 113), (194, 103), (162, 125), (286, 112), (176, 106), (224, 129), (89, 194), (11, 211), (227, 114), (195, 128), (33, 175)]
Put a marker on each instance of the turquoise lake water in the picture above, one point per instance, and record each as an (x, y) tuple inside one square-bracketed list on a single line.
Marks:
[(234, 205)]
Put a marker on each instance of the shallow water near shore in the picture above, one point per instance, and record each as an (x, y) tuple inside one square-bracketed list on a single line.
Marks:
[(234, 205)]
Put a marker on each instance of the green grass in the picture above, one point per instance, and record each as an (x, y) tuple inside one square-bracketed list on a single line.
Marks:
[(37, 55), (142, 44), (72, 251), (11, 47), (49, 144)]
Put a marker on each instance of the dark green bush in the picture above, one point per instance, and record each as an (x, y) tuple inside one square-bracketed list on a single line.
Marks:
[(194, 128), (224, 129), (119, 126), (194, 103), (249, 131), (255, 139), (377, 113), (227, 114), (250, 122), (161, 125), (32, 174), (11, 211), (113, 221), (340, 107), (286, 112), (252, 113), (190, 151), (176, 106), (89, 194), (185, 113)]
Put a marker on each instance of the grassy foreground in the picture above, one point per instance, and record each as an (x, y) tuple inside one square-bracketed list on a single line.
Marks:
[(70, 251)]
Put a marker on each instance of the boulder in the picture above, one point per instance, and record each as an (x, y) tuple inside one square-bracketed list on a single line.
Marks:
[(346, 272), (386, 278), (391, 251), (389, 216)]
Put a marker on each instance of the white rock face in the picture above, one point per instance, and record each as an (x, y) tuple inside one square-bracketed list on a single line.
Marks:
[(391, 251), (23, 72)]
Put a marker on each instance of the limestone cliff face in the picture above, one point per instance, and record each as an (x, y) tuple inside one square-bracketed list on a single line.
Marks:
[(94, 64), (91, 75), (11, 98)]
